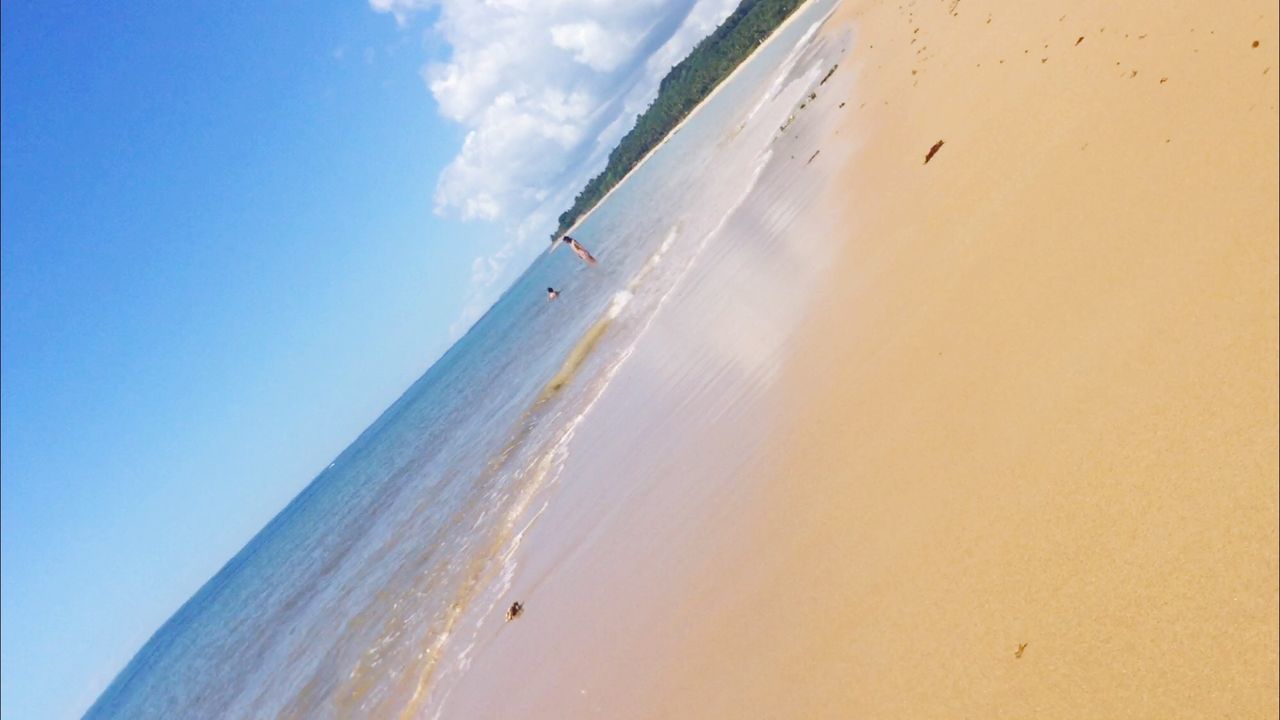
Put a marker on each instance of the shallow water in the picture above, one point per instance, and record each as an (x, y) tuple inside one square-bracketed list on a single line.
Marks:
[(368, 594)]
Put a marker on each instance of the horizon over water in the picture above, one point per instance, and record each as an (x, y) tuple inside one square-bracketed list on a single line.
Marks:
[(366, 594)]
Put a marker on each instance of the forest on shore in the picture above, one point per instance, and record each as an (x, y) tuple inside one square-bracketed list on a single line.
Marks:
[(686, 85)]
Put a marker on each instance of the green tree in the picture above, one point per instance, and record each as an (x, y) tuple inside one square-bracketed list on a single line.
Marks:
[(685, 85)]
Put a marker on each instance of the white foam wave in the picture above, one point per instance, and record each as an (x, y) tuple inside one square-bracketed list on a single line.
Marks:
[(655, 258), (785, 68), (620, 300)]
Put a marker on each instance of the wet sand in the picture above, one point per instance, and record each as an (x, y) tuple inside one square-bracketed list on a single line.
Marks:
[(1022, 457)]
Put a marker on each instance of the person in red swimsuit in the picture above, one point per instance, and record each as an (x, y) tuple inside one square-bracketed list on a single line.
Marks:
[(579, 250)]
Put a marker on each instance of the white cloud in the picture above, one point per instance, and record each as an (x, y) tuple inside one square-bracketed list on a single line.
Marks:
[(535, 82), (592, 45), (544, 90), (401, 9)]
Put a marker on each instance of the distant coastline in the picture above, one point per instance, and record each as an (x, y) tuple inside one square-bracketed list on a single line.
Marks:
[(685, 88)]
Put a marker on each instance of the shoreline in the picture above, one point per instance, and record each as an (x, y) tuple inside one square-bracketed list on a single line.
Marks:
[(696, 109), (1020, 458)]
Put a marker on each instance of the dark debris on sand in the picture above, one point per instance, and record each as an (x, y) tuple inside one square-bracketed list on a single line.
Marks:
[(515, 610), (932, 151)]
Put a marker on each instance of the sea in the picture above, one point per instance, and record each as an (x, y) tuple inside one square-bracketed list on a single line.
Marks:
[(365, 596)]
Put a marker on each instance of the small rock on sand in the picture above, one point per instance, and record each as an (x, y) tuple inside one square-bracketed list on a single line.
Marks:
[(515, 610)]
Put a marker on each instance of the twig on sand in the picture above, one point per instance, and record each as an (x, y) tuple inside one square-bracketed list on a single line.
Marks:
[(932, 151), (1018, 653)]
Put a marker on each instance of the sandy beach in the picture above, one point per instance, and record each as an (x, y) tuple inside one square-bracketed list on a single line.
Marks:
[(1022, 459), (1038, 408)]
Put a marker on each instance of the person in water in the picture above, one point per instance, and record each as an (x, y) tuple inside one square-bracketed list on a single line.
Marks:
[(579, 250), (552, 294)]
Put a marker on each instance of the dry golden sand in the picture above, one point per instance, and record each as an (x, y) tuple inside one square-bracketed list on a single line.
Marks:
[(1037, 408)]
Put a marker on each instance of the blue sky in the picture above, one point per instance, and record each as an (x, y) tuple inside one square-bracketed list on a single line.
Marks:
[(232, 234)]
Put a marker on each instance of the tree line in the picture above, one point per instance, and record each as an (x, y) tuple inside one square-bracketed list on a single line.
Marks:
[(686, 85)]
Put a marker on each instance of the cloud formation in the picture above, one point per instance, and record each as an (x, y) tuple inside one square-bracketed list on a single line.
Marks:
[(536, 83), (544, 89)]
